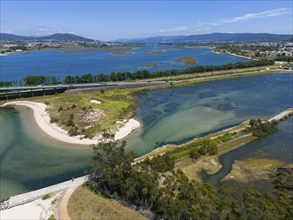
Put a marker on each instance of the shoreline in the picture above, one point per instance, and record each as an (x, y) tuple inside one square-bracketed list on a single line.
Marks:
[(51, 129)]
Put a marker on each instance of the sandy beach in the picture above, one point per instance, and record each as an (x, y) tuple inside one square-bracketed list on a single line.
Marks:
[(43, 121)]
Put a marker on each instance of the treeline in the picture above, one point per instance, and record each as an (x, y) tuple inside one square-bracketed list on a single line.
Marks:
[(284, 58), (167, 193), (260, 128), (138, 75)]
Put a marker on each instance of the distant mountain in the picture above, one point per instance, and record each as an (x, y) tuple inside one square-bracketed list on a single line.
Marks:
[(212, 38), (54, 37)]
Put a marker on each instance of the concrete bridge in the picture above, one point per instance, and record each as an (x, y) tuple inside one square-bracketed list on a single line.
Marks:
[(7, 93), (33, 195)]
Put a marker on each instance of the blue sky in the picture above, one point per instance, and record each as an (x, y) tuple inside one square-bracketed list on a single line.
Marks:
[(110, 20)]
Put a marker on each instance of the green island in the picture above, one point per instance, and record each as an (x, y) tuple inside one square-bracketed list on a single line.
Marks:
[(149, 66), (186, 60), (154, 51), (123, 53)]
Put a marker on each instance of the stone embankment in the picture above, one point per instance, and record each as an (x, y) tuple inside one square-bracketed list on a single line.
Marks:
[(33, 195)]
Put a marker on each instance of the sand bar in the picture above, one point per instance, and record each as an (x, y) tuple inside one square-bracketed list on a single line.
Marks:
[(43, 121)]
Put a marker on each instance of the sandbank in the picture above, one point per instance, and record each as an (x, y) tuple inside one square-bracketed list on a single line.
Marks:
[(42, 119)]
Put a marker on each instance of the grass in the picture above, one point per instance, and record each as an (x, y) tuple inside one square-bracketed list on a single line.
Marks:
[(186, 60), (84, 204), (90, 118), (252, 169)]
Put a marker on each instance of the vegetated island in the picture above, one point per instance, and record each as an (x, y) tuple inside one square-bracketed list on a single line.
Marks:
[(147, 66), (186, 60), (123, 53), (154, 51)]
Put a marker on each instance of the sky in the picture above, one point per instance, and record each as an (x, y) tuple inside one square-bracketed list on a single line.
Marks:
[(111, 20)]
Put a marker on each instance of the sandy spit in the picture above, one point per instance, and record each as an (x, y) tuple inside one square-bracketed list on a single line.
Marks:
[(43, 121)]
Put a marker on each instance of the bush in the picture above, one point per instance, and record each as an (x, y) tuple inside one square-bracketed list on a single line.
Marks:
[(73, 131), (71, 116), (73, 106), (69, 123), (54, 120), (60, 109), (194, 154), (102, 91), (47, 196)]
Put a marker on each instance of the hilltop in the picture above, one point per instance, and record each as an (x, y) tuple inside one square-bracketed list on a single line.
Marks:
[(212, 38), (54, 37)]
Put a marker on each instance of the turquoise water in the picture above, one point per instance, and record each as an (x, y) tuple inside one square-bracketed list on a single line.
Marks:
[(54, 63), (31, 160), (174, 115)]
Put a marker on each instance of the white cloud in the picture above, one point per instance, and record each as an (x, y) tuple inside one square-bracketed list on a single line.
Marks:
[(263, 14)]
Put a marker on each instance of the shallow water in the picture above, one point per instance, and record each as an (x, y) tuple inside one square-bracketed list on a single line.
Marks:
[(174, 115), (278, 146), (31, 160), (52, 63)]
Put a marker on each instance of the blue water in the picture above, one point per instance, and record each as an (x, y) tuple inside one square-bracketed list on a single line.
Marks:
[(54, 63), (29, 159), (177, 114)]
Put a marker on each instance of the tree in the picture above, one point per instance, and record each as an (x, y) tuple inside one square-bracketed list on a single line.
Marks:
[(34, 80), (69, 80)]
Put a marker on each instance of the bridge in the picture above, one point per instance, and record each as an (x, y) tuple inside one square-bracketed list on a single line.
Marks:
[(7, 93)]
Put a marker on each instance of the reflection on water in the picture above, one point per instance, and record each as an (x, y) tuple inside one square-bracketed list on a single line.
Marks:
[(177, 114)]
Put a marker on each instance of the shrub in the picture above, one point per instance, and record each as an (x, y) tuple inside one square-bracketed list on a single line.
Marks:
[(47, 196), (69, 123), (60, 109), (102, 91), (194, 154), (71, 116), (54, 120), (73, 106)]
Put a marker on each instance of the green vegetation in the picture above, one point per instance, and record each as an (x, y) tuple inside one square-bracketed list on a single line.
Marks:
[(261, 128), (154, 186), (123, 53), (76, 114), (149, 65), (84, 204), (140, 74), (186, 60), (47, 196), (52, 217)]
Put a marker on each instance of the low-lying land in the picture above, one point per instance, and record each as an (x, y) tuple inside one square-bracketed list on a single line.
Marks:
[(84, 204), (154, 51), (123, 53), (186, 60), (149, 65)]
